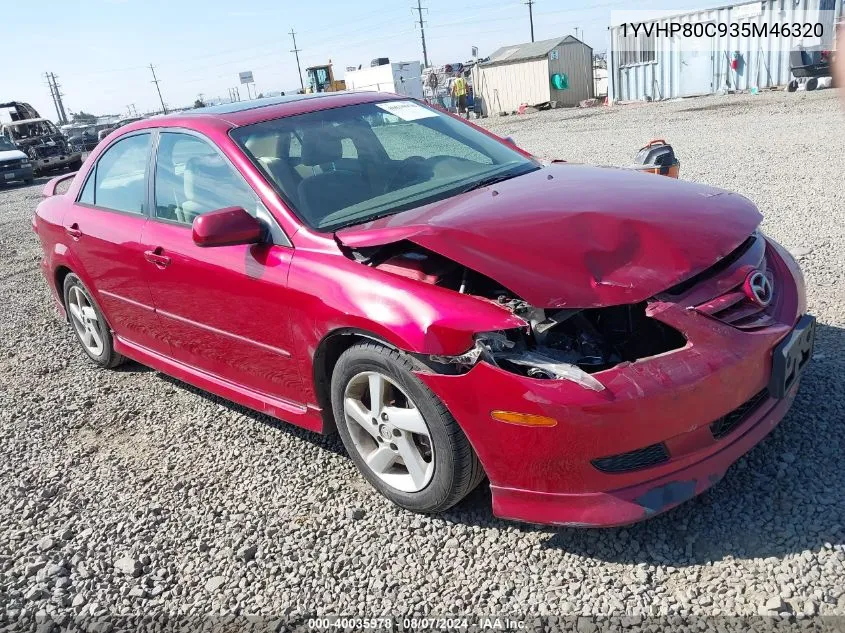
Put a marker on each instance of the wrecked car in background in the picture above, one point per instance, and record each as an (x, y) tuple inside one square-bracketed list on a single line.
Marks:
[(43, 143), (600, 343), (14, 164)]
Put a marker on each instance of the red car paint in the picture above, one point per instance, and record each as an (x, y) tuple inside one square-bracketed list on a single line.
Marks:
[(565, 237), (252, 323)]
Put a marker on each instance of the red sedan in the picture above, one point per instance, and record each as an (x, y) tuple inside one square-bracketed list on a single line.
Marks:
[(600, 344)]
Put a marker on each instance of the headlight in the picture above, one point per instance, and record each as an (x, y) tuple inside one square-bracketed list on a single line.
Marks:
[(502, 352), (25, 163)]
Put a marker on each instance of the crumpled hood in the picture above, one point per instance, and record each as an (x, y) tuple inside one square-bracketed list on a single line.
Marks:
[(577, 236)]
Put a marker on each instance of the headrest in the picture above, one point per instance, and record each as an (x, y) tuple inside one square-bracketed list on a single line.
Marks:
[(264, 145), (321, 145)]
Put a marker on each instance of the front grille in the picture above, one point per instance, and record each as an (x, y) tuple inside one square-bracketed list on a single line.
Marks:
[(737, 310), (45, 151), (10, 165), (727, 423), (634, 460), (715, 269)]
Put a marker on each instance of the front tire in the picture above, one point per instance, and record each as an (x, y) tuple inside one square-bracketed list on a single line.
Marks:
[(399, 434), (89, 325)]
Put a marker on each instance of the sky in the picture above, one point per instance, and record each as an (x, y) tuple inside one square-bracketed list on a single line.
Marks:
[(101, 50)]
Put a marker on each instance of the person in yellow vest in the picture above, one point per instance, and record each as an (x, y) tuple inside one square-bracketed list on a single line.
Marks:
[(459, 93)]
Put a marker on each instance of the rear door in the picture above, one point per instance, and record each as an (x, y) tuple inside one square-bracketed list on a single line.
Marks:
[(225, 309), (104, 228)]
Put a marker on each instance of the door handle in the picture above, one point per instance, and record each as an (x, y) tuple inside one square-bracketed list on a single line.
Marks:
[(155, 257), (73, 231)]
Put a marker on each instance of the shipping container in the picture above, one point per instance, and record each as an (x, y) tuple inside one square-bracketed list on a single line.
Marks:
[(661, 66)]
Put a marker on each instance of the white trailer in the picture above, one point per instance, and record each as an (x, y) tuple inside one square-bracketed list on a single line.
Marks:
[(402, 78)]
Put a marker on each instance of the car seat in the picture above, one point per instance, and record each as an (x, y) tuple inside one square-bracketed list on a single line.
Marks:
[(323, 193)]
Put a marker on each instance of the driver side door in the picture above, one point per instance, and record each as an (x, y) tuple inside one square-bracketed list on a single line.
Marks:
[(225, 309)]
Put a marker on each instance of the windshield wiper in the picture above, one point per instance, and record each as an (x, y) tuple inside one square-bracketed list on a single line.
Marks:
[(492, 180)]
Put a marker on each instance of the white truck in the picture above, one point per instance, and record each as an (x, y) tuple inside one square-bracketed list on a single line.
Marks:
[(402, 78)]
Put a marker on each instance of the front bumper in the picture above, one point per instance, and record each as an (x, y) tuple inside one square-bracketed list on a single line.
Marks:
[(644, 500), (21, 173), (547, 475), (55, 162)]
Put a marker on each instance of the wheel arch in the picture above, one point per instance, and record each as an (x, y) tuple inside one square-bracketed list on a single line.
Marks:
[(326, 355), (59, 275)]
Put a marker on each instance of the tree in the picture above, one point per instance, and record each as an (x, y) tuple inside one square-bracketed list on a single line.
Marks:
[(84, 117), (199, 103)]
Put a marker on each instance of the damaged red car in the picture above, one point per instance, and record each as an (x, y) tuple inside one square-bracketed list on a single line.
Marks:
[(599, 344)]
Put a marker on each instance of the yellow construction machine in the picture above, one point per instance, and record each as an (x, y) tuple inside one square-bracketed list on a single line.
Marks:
[(321, 79)]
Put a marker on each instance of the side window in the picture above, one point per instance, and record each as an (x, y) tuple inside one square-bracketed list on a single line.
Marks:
[(119, 179), (192, 178), (295, 147), (87, 195), (349, 149)]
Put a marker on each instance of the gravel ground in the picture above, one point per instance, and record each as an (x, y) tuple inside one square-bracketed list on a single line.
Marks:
[(129, 492)]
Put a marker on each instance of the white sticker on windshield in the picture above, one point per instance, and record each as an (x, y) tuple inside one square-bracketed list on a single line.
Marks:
[(407, 110)]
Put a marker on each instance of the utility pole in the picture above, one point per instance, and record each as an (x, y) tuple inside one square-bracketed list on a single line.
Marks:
[(57, 98), (419, 9), (155, 81), (53, 96), (530, 4), (295, 51)]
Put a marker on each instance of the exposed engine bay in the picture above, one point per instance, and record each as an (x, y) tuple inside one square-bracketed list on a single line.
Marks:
[(567, 344)]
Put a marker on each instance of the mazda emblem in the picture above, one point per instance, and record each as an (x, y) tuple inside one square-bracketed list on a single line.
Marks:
[(758, 288)]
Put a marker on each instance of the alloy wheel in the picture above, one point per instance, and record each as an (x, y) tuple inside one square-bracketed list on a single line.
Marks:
[(388, 431), (88, 326)]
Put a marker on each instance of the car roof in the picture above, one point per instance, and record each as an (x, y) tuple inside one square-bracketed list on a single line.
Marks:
[(252, 104), (255, 110)]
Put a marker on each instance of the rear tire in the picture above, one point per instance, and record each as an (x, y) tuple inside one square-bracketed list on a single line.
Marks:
[(447, 469), (89, 325)]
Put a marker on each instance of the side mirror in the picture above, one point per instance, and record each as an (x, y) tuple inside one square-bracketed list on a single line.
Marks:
[(509, 140), (227, 227)]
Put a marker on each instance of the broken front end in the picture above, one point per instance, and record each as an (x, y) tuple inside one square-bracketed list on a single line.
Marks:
[(608, 415)]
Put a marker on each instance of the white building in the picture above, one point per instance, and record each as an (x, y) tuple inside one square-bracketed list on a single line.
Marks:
[(525, 74)]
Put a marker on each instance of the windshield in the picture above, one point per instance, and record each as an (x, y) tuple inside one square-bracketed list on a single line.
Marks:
[(6, 144), (353, 164), (31, 130)]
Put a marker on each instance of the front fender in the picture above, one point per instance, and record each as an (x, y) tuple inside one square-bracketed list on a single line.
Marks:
[(335, 293), (332, 293)]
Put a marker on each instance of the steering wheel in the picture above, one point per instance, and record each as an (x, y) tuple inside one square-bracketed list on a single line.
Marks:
[(415, 161)]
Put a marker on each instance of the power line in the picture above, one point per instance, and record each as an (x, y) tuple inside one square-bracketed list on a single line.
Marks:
[(155, 81), (419, 9), (530, 4), (295, 51)]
